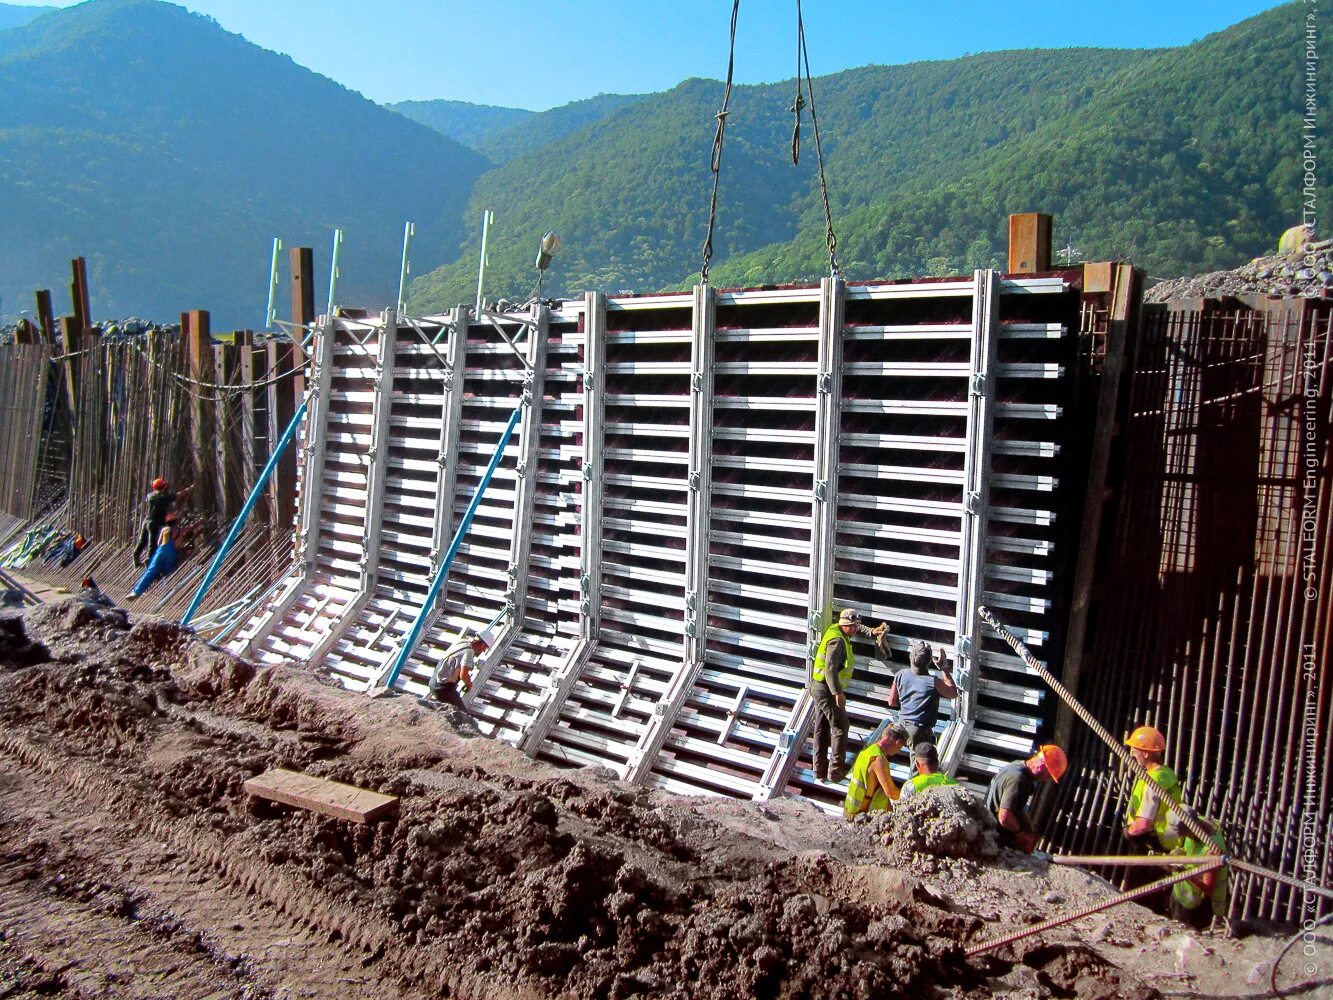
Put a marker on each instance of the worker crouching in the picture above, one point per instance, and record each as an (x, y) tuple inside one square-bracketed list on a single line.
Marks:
[(871, 787), (456, 669), (1205, 898), (1011, 789), (1147, 816), (926, 762)]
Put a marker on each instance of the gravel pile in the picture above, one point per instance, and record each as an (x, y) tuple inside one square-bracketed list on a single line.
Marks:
[(1307, 272)]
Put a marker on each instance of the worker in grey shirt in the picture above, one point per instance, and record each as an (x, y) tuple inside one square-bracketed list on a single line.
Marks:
[(916, 692), (831, 672)]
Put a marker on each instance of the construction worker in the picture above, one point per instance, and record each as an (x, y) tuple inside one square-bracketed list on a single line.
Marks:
[(916, 693), (1150, 802), (91, 593), (871, 787), (164, 557), (456, 668), (830, 673), (1012, 787), (926, 761), (1211, 887), (157, 505)]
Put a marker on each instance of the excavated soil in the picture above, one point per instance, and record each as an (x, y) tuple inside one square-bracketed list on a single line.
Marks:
[(132, 862)]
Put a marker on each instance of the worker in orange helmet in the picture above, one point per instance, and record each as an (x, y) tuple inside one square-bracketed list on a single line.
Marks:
[(157, 505), (1012, 787), (1147, 824)]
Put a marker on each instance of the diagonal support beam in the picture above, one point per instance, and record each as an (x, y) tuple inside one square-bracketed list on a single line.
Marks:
[(824, 515), (700, 501), (567, 673), (377, 467), (976, 501)]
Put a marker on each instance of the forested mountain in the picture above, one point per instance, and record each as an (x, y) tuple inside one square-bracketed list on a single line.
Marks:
[(12, 15), (170, 152), (1181, 159), (470, 124)]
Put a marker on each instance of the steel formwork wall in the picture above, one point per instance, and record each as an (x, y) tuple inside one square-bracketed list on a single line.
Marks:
[(697, 482)]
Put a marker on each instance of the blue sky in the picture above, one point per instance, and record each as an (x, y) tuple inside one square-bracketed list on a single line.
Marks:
[(536, 55)]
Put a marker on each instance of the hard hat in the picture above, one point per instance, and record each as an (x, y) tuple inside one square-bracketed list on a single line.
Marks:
[(485, 636), (159, 483), (1146, 738), (1055, 760), (849, 616)]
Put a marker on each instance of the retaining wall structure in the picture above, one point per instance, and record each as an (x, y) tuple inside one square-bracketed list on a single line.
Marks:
[(696, 482)]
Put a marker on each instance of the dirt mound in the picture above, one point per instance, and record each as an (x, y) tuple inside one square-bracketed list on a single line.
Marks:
[(942, 822)]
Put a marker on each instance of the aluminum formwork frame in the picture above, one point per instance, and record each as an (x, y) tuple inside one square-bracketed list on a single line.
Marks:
[(376, 471), (976, 504), (667, 709), (312, 485), (525, 499), (590, 529), (823, 513)]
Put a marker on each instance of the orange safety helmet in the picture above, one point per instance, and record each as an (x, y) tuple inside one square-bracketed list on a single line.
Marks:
[(1055, 760), (1147, 738), (159, 483)]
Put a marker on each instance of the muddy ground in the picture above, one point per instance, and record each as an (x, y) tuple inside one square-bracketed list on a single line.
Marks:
[(133, 864)]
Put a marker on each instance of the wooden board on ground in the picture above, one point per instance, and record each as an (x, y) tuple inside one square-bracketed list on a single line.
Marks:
[(330, 798)]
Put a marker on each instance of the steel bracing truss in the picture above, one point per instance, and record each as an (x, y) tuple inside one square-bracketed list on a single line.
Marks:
[(695, 484)]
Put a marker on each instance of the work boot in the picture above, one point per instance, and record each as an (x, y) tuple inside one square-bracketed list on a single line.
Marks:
[(838, 775), (821, 770)]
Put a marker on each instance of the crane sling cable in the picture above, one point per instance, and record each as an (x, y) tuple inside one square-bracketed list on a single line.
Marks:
[(1086, 911), (249, 506), (410, 642), (1187, 815), (803, 70), (715, 159)]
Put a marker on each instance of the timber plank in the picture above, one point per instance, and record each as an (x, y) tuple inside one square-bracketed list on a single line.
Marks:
[(330, 798)]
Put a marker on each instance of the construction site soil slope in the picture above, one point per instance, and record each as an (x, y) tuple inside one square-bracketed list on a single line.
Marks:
[(134, 864)]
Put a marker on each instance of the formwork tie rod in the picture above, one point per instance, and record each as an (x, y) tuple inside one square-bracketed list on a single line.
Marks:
[(1136, 860), (1187, 815)]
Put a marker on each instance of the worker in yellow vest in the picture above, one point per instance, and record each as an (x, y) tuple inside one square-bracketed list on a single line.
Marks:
[(926, 760), (1200, 900), (1148, 813), (830, 673), (871, 787)]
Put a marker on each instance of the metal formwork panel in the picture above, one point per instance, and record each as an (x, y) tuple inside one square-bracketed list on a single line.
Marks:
[(335, 486), (643, 448), (415, 470)]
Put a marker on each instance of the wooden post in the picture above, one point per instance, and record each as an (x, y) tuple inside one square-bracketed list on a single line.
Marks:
[(245, 372), (71, 340), (302, 260), (78, 292), (281, 407), (226, 432), (46, 317), (25, 332), (1029, 243), (199, 353)]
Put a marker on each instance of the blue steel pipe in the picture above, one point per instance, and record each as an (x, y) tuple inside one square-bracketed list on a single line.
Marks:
[(250, 502), (410, 643)]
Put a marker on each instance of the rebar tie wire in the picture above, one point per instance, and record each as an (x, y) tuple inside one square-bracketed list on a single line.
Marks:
[(719, 137), (1188, 817)]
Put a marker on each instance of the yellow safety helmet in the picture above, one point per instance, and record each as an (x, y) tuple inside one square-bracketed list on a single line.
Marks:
[(1147, 738)]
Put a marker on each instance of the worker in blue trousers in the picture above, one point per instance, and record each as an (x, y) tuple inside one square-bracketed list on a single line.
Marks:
[(164, 558)]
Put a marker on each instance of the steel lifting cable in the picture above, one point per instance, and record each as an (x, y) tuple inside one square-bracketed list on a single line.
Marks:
[(1087, 911), (803, 59), (1187, 815), (715, 160)]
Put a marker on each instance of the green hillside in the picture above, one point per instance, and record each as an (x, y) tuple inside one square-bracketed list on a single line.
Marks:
[(469, 124), (170, 153), (545, 127), (1182, 160)]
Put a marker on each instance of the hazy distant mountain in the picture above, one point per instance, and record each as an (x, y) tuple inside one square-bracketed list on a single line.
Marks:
[(12, 15), (470, 124), (170, 152), (1183, 160)]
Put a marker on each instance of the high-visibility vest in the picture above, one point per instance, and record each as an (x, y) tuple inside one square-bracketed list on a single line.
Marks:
[(860, 781), (1190, 896), (933, 780), (821, 657), (1165, 777)]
